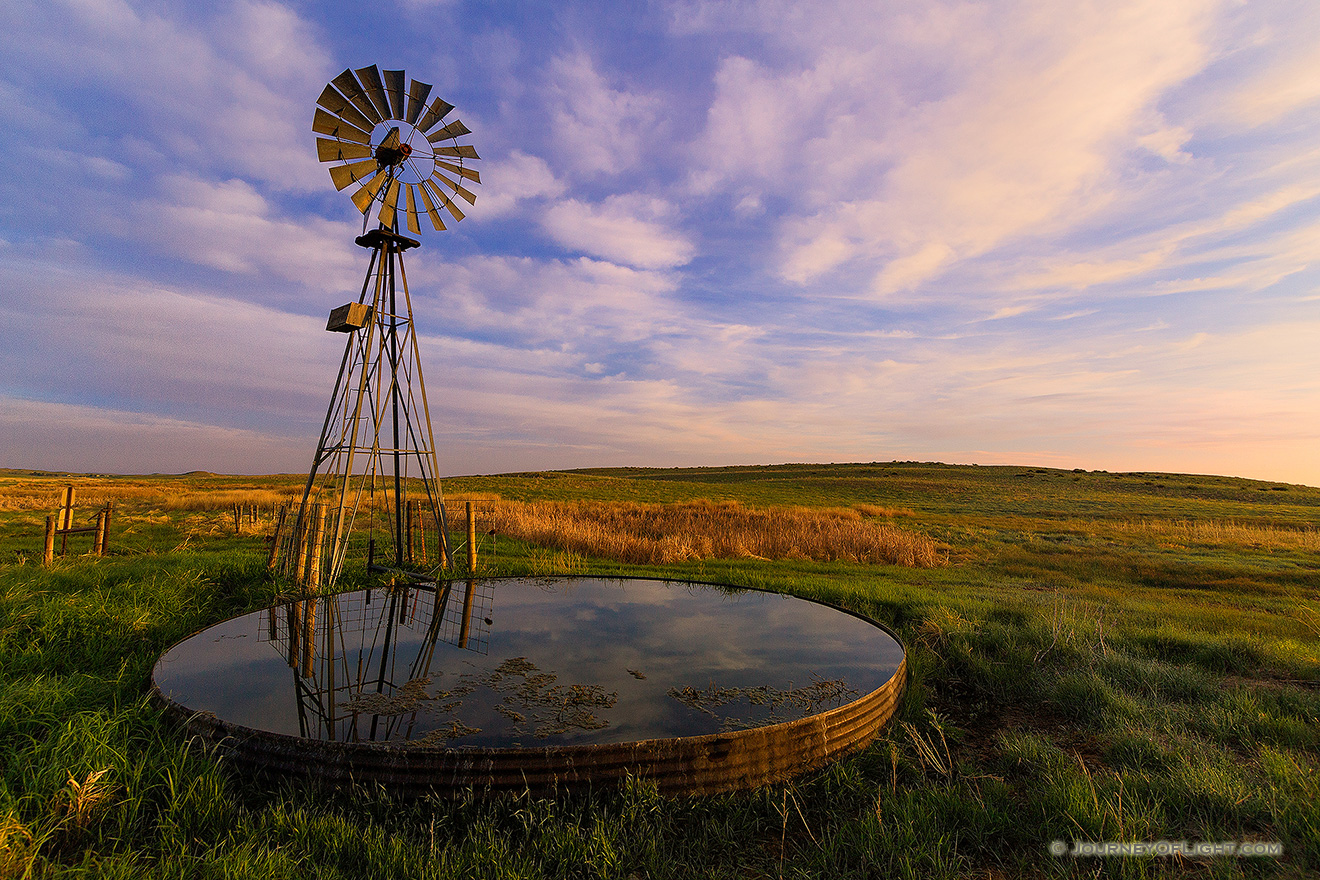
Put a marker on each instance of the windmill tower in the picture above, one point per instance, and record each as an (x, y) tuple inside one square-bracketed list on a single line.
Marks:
[(373, 488)]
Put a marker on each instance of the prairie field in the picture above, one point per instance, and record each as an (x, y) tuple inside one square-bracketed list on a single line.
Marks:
[(1093, 657)]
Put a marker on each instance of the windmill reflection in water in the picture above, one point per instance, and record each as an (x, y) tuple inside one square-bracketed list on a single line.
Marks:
[(361, 661)]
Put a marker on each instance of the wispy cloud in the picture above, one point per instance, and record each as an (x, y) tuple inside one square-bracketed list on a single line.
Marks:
[(45, 435), (631, 229), (522, 178), (225, 92), (173, 353), (1025, 136), (230, 225), (599, 126)]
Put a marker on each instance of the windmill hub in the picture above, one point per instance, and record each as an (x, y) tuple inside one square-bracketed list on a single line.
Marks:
[(392, 151), (386, 157)]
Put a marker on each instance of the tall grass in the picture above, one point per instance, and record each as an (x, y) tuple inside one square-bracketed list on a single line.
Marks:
[(666, 533), (1228, 533), (92, 494)]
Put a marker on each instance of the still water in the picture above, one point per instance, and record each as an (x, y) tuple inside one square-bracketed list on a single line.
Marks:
[(530, 662)]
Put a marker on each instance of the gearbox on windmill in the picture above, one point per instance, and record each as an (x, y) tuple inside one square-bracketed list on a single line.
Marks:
[(349, 317)]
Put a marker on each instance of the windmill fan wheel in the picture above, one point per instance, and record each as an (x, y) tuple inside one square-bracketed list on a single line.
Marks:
[(381, 137)]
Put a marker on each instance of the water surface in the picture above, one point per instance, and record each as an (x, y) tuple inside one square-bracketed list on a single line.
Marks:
[(529, 662)]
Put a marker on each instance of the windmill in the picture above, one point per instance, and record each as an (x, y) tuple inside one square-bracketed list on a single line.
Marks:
[(375, 468)]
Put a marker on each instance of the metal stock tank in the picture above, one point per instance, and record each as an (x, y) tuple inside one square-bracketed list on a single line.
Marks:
[(542, 684)]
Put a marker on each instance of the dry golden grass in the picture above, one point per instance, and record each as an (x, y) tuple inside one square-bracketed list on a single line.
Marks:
[(1226, 533), (88, 796), (663, 533), (17, 849), (456, 500), (224, 499), (34, 494), (879, 510)]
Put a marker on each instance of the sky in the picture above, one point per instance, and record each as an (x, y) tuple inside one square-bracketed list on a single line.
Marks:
[(1081, 235)]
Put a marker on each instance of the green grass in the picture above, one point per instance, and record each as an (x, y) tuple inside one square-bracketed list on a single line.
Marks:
[(1084, 668)]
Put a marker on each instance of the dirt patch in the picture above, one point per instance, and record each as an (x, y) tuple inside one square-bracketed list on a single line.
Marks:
[(979, 727)]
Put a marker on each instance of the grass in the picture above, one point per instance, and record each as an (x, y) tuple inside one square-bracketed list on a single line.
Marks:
[(666, 533), (1103, 657)]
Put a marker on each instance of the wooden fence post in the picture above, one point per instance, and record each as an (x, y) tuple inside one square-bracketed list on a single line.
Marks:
[(66, 517), (274, 556), (412, 544), (301, 528), (421, 533), (98, 545), (316, 539), (48, 554)]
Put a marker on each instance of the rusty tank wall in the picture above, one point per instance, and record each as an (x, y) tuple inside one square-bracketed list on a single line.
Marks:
[(707, 764)]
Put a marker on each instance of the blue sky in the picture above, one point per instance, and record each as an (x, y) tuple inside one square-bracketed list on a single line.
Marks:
[(1012, 231)]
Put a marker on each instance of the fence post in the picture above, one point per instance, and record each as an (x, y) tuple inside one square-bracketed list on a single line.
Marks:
[(98, 546), (109, 512), (412, 544), (301, 530), (421, 532), (48, 554), (316, 538), (66, 508), (274, 556), (66, 518), (472, 540)]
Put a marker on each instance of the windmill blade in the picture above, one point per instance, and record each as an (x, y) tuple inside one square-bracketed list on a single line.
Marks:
[(326, 123), (347, 83), (443, 199), (341, 106), (470, 198), (328, 150), (417, 93), (363, 197), (390, 204), (439, 107), (412, 210), (468, 173), (375, 90), (463, 151), (430, 210), (452, 130), (394, 88), (343, 175)]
